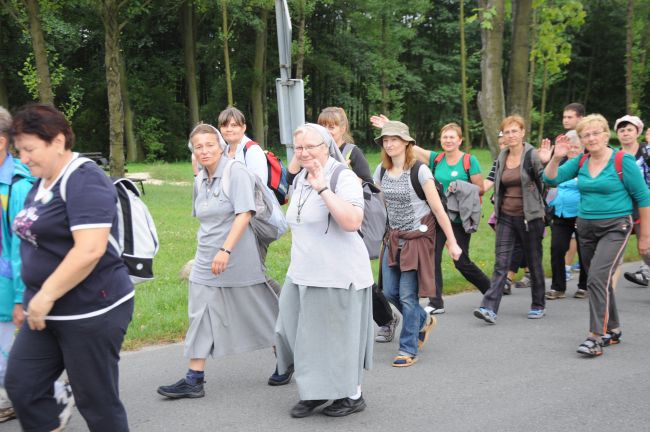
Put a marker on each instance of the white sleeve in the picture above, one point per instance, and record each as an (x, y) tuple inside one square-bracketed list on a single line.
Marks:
[(255, 161)]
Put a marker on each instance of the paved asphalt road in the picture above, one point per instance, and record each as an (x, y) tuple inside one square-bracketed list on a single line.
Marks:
[(518, 375)]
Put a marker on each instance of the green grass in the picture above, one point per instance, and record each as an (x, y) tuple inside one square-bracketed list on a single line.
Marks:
[(161, 305)]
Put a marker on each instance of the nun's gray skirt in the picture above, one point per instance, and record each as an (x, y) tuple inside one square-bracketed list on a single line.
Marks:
[(327, 334), (229, 320)]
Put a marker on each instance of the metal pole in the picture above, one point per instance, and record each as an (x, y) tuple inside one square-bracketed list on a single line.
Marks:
[(291, 95)]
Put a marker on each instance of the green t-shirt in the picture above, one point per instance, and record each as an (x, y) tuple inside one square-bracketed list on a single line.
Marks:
[(446, 174)]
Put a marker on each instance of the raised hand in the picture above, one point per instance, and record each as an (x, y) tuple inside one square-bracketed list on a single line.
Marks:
[(316, 177), (379, 121), (545, 151), (561, 146)]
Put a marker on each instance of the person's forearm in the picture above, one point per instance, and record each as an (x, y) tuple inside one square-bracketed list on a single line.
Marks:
[(237, 230), (75, 267), (551, 168)]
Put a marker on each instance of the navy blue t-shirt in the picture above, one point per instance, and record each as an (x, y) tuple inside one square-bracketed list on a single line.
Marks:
[(46, 223)]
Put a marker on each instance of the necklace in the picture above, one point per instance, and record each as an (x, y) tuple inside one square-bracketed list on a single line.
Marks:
[(302, 203)]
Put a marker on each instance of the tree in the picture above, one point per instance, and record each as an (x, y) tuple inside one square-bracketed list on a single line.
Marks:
[(259, 70), (490, 99), (40, 52), (463, 77), (189, 51), (109, 10), (520, 53), (552, 49), (225, 35), (629, 43)]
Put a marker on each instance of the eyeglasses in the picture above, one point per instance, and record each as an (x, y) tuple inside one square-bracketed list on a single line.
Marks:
[(307, 148), (590, 135), (208, 147), (511, 132)]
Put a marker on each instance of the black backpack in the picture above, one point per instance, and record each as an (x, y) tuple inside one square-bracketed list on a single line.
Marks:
[(417, 187)]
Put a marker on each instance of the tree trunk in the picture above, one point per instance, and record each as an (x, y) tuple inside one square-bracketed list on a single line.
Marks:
[(109, 14), (226, 51), (542, 108), (300, 55), (490, 98), (463, 79), (190, 62), (531, 77), (4, 95), (629, 72), (133, 151), (384, 79), (259, 69), (518, 70), (40, 52)]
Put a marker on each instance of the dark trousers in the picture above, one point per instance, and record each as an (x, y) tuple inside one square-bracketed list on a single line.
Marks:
[(603, 242), (381, 310), (562, 230), (464, 265), (89, 350), (509, 228), (518, 259)]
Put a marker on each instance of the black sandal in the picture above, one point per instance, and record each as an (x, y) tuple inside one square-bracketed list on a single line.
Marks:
[(612, 338), (591, 347)]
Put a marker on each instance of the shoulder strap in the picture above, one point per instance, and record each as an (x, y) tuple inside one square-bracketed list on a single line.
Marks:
[(528, 166), (334, 179), (583, 159), (347, 151), (415, 181), (436, 161), (618, 163), (382, 171), (248, 145), (74, 164), (225, 177), (466, 163)]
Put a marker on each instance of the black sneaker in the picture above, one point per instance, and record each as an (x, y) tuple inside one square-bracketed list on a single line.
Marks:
[(182, 389), (345, 406), (305, 408), (277, 380)]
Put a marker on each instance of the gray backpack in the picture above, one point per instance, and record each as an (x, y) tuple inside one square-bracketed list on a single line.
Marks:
[(268, 223), (375, 217)]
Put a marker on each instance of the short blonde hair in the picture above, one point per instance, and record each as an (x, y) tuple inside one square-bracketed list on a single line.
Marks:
[(593, 120), (452, 126)]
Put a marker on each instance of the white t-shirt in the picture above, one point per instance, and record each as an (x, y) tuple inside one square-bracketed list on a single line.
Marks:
[(323, 254), (255, 159)]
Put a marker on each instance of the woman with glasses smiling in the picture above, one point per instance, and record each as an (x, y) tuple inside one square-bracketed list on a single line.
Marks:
[(604, 222), (231, 308), (324, 327), (519, 210)]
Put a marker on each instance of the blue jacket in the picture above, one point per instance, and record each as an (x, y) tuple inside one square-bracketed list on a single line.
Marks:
[(567, 200), (12, 197)]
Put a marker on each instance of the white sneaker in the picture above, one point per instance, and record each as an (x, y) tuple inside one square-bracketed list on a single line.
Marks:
[(434, 311), (65, 402), (387, 333)]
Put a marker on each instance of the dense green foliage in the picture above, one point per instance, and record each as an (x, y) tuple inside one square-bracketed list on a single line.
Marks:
[(368, 56)]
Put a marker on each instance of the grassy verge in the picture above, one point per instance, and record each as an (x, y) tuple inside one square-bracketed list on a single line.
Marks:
[(161, 306)]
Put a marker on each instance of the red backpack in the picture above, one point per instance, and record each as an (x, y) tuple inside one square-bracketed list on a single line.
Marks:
[(277, 179)]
